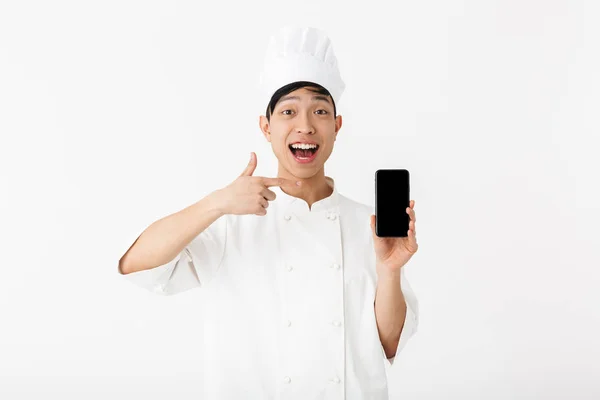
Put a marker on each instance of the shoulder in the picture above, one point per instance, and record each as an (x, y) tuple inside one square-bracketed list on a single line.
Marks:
[(355, 210), (357, 207)]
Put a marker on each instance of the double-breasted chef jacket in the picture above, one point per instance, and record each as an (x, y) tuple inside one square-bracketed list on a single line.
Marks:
[(290, 301)]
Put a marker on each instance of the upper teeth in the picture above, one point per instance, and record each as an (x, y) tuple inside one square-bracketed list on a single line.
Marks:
[(304, 146)]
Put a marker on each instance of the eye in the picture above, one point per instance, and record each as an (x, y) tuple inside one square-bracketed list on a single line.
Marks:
[(283, 112), (324, 111)]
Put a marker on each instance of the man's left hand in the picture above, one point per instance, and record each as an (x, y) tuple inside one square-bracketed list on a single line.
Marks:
[(394, 252)]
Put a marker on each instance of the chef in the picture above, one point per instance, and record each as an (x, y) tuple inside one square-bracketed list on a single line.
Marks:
[(303, 300)]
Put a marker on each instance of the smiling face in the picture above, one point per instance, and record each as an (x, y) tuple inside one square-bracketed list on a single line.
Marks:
[(302, 130)]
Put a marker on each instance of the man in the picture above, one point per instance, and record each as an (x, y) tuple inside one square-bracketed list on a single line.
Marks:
[(304, 301)]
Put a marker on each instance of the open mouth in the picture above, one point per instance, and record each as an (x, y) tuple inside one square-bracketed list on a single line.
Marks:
[(304, 153)]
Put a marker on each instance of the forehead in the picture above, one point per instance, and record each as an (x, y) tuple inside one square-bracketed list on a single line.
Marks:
[(304, 94)]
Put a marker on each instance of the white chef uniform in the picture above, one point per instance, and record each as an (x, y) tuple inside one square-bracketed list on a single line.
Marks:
[(290, 301)]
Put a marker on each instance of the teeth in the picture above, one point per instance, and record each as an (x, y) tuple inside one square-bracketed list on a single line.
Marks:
[(304, 146)]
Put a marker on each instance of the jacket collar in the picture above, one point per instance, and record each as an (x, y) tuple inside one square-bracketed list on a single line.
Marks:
[(297, 204)]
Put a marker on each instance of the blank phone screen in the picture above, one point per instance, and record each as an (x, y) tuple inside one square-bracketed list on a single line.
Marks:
[(392, 197)]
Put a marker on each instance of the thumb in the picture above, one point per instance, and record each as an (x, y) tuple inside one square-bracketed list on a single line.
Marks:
[(372, 220), (251, 166)]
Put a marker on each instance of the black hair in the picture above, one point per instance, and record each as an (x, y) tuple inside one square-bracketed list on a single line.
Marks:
[(315, 87)]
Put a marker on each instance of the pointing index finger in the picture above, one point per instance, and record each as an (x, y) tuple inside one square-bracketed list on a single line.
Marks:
[(279, 182)]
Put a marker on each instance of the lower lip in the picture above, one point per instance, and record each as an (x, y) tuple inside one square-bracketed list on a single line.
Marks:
[(305, 160)]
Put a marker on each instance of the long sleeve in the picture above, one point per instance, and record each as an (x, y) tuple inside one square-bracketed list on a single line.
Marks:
[(411, 320)]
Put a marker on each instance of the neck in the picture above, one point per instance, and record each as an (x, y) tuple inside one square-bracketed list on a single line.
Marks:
[(313, 189)]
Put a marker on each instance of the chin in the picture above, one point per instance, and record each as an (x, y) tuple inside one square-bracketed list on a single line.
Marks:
[(302, 172)]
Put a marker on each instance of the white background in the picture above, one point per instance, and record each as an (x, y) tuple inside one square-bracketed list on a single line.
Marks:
[(116, 113)]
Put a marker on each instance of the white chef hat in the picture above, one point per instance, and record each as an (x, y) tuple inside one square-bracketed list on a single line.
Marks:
[(299, 54)]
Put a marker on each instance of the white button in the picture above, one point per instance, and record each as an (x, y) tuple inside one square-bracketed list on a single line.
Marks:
[(288, 217), (288, 323), (287, 379), (336, 380), (336, 266), (289, 268), (332, 216), (337, 323)]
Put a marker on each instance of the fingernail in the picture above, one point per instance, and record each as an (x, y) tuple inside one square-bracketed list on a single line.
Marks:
[(298, 183)]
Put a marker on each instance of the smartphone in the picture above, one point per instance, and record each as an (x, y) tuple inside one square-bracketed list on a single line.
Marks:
[(392, 197)]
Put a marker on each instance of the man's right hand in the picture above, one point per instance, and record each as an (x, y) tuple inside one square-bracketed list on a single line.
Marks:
[(250, 194)]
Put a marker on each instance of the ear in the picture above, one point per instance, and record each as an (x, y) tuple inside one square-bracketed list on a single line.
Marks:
[(263, 123), (338, 125)]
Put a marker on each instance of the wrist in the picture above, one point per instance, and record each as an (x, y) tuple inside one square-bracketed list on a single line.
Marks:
[(385, 272), (215, 203)]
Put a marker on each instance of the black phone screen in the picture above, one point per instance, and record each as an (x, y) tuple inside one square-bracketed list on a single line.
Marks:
[(392, 197)]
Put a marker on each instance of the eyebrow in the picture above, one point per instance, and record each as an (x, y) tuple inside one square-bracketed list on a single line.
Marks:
[(314, 98)]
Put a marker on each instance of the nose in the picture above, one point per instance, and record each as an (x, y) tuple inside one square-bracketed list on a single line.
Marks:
[(304, 124)]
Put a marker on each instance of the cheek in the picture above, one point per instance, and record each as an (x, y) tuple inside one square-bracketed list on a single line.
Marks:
[(277, 140), (278, 145), (326, 150)]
